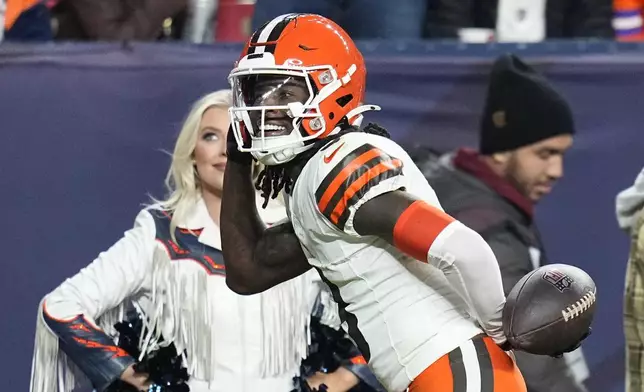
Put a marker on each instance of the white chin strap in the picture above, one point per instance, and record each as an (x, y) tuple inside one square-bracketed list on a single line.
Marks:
[(275, 158)]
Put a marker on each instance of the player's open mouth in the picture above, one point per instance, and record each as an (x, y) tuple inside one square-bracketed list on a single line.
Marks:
[(273, 130)]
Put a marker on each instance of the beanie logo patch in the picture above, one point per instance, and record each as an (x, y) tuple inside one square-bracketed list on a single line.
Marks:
[(498, 118)]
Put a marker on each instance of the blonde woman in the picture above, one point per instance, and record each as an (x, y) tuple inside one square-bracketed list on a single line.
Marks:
[(170, 268)]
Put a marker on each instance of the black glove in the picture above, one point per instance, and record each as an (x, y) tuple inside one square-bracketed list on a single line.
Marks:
[(573, 347), (232, 150)]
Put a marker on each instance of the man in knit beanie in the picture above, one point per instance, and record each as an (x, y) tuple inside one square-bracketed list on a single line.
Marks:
[(525, 129)]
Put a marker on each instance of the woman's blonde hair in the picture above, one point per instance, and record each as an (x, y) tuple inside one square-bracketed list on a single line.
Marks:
[(182, 182)]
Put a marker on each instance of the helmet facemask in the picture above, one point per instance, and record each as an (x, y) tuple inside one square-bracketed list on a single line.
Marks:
[(269, 107)]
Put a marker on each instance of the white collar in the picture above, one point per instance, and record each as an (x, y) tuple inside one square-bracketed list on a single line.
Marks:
[(198, 218)]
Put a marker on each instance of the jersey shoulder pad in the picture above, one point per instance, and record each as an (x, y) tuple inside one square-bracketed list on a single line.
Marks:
[(347, 169)]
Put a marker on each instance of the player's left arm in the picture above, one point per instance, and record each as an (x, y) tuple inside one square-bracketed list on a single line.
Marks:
[(364, 194), (430, 235), (256, 257)]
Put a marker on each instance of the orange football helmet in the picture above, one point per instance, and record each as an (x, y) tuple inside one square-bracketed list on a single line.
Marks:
[(300, 79)]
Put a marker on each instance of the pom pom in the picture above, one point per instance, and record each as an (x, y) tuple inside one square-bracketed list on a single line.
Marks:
[(328, 350), (163, 365)]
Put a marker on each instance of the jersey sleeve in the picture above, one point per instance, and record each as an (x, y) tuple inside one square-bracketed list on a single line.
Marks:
[(352, 172)]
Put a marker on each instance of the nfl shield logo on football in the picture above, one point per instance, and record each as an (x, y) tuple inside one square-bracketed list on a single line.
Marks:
[(558, 279)]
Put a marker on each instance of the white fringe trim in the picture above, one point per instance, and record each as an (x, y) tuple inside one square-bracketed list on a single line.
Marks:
[(106, 321), (51, 369), (181, 309), (286, 319), (188, 327), (331, 314)]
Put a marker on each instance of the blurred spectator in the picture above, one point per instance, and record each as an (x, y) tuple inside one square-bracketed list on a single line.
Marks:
[(630, 217), (521, 20), (109, 20), (579, 19), (3, 7), (426, 158), (234, 20), (446, 18), (25, 20), (362, 19), (627, 20), (199, 27), (526, 128)]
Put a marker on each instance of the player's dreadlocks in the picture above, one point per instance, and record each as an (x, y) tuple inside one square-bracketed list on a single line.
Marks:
[(273, 179)]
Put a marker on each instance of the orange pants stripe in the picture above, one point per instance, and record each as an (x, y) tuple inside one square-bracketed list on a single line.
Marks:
[(478, 365)]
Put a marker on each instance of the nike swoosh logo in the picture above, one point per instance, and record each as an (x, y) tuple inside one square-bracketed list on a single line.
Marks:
[(329, 157)]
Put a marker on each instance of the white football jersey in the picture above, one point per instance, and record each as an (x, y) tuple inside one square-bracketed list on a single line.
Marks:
[(402, 313)]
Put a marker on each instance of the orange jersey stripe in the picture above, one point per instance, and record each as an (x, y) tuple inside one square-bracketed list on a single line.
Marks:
[(358, 184), (496, 370), (344, 174), (507, 376), (436, 378)]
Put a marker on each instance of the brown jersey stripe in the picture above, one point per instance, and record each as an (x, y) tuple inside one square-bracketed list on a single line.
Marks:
[(458, 370), (485, 365)]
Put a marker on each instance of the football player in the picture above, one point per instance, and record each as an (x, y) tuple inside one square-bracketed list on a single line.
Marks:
[(419, 292)]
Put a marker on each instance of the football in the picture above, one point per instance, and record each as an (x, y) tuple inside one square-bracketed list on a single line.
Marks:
[(550, 309)]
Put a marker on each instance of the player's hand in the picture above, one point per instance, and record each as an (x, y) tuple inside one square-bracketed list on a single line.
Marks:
[(573, 347), (140, 381), (505, 346), (232, 150), (341, 380)]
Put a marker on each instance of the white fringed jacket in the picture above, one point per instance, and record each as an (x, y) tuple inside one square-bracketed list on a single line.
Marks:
[(232, 342)]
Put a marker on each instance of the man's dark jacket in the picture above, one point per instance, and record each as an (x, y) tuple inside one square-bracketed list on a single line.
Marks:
[(470, 192)]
